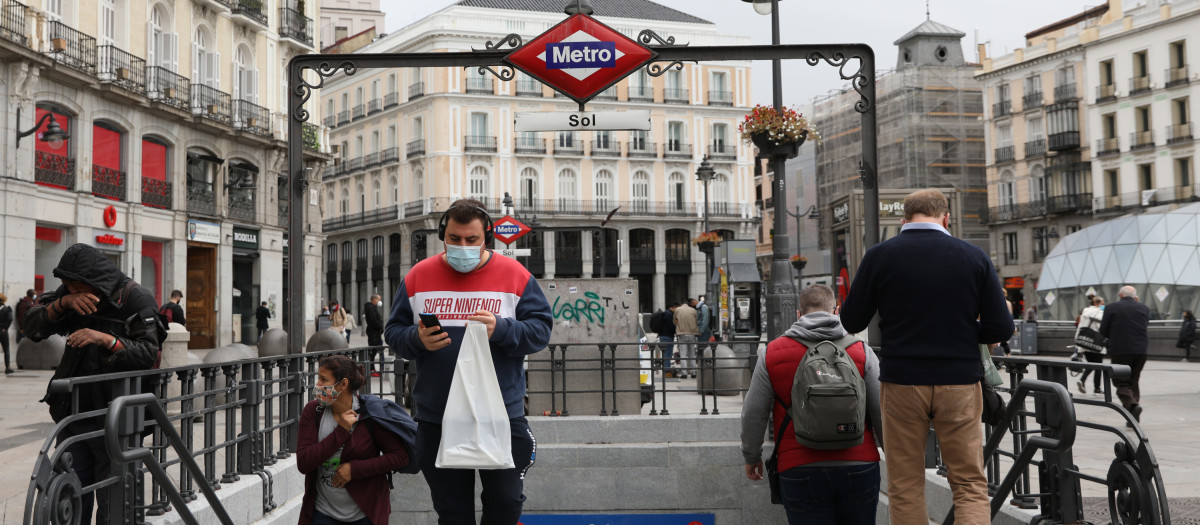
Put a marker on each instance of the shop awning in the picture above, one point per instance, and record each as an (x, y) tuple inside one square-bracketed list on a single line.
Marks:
[(744, 273)]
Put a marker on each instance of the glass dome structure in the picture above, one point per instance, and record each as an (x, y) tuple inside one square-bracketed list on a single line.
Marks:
[(1156, 252)]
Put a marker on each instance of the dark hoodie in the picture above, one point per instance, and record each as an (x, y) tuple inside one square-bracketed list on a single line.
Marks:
[(130, 316)]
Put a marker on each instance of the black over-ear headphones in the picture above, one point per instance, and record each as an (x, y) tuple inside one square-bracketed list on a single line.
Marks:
[(489, 236)]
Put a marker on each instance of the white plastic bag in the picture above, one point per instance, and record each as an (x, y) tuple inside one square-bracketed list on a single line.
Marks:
[(475, 429)]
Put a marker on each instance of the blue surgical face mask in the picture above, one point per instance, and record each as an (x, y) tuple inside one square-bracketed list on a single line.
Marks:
[(463, 258)]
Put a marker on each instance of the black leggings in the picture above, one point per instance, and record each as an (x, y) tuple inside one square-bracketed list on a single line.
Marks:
[(1093, 357)]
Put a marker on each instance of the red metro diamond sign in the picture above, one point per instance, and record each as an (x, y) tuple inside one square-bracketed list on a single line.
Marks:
[(580, 57), (508, 229)]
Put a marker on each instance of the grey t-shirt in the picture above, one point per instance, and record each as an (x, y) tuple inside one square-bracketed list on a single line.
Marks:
[(334, 502)]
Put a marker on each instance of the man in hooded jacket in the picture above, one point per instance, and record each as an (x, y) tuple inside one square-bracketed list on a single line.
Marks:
[(111, 325)]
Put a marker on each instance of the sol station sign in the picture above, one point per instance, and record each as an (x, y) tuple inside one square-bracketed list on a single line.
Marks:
[(580, 57)]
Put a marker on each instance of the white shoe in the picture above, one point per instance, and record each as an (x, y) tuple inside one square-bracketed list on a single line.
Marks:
[(1183, 360)]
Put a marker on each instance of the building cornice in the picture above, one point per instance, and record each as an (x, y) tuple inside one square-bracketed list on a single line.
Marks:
[(1031, 62)]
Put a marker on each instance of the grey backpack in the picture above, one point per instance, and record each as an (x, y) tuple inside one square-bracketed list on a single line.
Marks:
[(829, 397)]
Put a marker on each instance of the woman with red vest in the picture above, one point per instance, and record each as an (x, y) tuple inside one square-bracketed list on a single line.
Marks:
[(816, 486)]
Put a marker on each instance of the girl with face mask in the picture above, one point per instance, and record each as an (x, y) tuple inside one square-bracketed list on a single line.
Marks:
[(345, 474)]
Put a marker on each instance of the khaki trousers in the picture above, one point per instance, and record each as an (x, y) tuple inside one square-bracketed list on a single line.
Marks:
[(954, 412)]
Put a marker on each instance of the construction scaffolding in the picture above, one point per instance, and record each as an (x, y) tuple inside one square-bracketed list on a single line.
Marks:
[(931, 135)]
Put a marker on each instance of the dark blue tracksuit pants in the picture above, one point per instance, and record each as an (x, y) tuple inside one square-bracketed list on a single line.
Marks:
[(453, 490)]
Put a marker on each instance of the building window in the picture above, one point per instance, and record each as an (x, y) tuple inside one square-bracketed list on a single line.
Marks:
[(1183, 175), (641, 192), (479, 183), (529, 188), (603, 195), (721, 198), (418, 185), (1146, 176), (568, 197), (1041, 243), (245, 76), (1010, 248), (331, 252), (206, 63), (676, 192), (156, 192), (1037, 184)]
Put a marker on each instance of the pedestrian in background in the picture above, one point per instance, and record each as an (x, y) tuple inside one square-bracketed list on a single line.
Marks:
[(704, 313), (1126, 324), (1091, 317), (373, 319), (350, 323), (666, 336), (337, 318), (1187, 335), (686, 331), (6, 319), (171, 309), (23, 307), (938, 298), (262, 316)]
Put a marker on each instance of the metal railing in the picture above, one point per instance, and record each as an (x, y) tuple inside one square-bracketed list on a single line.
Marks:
[(1020, 210), (636, 208), (71, 47), (359, 111), (1108, 146), (121, 68), (294, 25), (252, 9), (331, 121), (389, 155), (643, 149), (391, 100), (641, 94), (1176, 76), (479, 85), (374, 106), (167, 87), (1106, 93), (371, 160), (12, 22), (1179, 133), (251, 117), (608, 95), (361, 219), (156, 193), (479, 143), (528, 89), (606, 148), (343, 117), (1141, 140), (1078, 202), (1005, 153), (53, 170), (722, 151), (1041, 420), (1139, 85), (1035, 148), (211, 103), (415, 148), (108, 183), (673, 149), (720, 98), (416, 90), (529, 146), (354, 164), (1032, 100), (242, 207), (675, 95), (1002, 108), (1064, 140), (202, 200), (1064, 92), (568, 147)]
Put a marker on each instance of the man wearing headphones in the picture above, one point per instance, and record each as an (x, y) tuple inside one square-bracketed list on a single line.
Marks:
[(469, 282)]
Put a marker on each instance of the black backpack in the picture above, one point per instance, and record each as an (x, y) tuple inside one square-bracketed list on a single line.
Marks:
[(656, 321), (375, 411)]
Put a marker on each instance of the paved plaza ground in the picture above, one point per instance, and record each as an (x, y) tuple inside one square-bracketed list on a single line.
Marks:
[(1170, 392)]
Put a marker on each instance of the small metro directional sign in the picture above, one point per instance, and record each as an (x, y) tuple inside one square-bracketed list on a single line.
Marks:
[(508, 229), (580, 57)]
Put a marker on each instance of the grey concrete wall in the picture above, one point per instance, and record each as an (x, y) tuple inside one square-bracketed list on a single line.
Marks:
[(1053, 340)]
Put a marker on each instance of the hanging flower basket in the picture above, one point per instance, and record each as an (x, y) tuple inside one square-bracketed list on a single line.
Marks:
[(707, 246), (769, 148), (799, 262), (776, 133)]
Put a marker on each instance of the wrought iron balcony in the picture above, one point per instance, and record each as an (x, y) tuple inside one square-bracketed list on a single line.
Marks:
[(416, 90), (674, 149), (1064, 140), (479, 143), (355, 220), (1002, 108), (720, 98), (294, 25), (53, 170), (1179, 133), (606, 148), (122, 69), (1003, 213), (1065, 93), (331, 121), (1139, 140), (391, 100), (1035, 148), (389, 155), (251, 9), (359, 111), (721, 151), (370, 161), (202, 200), (71, 47), (643, 149), (675, 95), (1108, 146), (479, 85), (312, 137), (608, 95), (529, 146), (211, 103), (156, 193), (528, 89), (167, 87), (414, 208), (1177, 76), (1031, 101), (1079, 202), (241, 207), (1106, 93), (1139, 85), (343, 117), (1005, 154), (415, 148), (251, 117), (1020, 210), (108, 183), (12, 22), (641, 94), (1184, 193), (354, 165), (374, 106), (574, 146)]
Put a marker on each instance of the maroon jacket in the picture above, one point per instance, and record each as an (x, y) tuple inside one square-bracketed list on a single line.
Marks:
[(368, 484)]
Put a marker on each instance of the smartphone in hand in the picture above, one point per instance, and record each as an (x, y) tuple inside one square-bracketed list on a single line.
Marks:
[(431, 320)]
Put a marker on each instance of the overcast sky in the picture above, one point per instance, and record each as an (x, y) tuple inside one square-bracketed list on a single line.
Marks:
[(1002, 23)]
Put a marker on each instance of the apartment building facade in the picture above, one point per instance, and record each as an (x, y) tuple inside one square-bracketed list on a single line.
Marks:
[(411, 141), (172, 161)]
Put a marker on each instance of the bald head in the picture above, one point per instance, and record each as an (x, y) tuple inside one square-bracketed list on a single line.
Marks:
[(1127, 291)]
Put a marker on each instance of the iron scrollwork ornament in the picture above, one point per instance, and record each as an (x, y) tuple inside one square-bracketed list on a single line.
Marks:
[(858, 79), (304, 89), (505, 73), (648, 37), (512, 40), (63, 501), (657, 69)]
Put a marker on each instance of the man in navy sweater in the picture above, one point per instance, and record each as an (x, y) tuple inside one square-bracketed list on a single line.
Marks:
[(937, 298), (1126, 324)]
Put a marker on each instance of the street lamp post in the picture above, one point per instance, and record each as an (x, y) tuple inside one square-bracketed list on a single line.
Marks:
[(705, 175), (812, 213)]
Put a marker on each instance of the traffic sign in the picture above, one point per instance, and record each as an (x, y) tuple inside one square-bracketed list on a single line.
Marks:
[(583, 121), (580, 57), (508, 229)]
